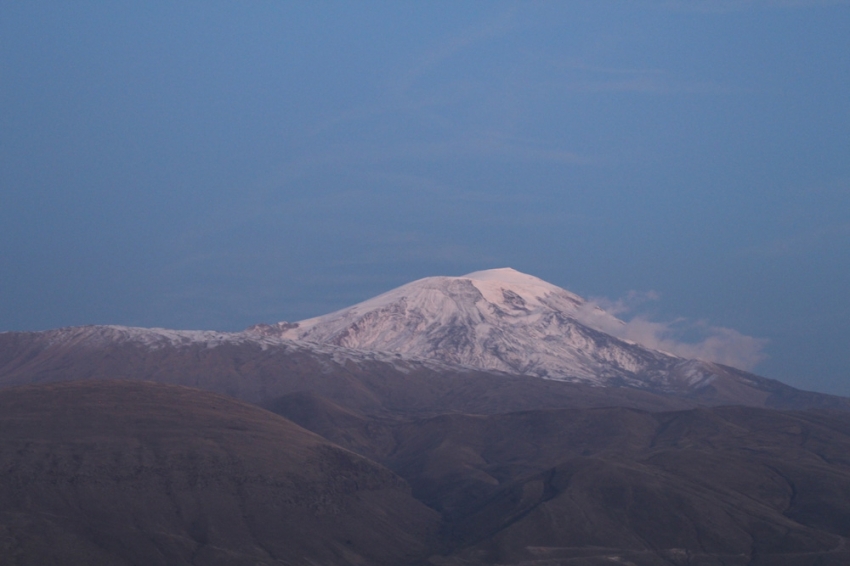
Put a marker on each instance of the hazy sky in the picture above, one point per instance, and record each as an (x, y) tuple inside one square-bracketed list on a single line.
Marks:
[(218, 164)]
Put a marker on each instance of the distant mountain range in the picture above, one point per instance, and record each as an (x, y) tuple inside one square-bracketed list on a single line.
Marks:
[(454, 421), (498, 323)]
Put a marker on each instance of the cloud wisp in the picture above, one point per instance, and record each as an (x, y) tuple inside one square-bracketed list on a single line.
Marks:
[(713, 343), (724, 6), (453, 45)]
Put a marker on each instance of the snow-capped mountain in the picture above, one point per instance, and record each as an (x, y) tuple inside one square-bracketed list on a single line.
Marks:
[(498, 319), (477, 343)]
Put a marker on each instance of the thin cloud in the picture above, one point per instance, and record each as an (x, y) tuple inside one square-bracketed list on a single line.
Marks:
[(580, 76), (649, 84), (715, 344), (799, 244), (723, 6), (478, 145), (453, 45)]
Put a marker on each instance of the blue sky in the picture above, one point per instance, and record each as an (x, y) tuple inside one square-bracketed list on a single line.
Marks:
[(218, 164)]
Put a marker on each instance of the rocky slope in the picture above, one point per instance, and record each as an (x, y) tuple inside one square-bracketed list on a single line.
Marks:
[(124, 473), (728, 486)]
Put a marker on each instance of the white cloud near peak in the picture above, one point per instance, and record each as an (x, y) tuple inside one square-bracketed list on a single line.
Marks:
[(714, 343)]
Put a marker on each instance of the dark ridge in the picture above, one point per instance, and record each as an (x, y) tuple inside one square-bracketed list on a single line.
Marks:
[(137, 473), (724, 485)]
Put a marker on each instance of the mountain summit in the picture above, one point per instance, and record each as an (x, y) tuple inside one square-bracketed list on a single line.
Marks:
[(503, 320)]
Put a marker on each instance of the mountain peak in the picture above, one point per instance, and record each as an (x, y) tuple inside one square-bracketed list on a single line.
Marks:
[(510, 276), (504, 274), (496, 284), (496, 319)]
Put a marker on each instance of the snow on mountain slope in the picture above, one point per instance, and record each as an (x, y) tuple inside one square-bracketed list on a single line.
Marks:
[(151, 337), (425, 340), (498, 319), (97, 337)]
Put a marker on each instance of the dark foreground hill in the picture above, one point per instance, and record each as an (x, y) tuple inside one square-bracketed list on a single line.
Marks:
[(122, 472), (129, 473), (709, 486)]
